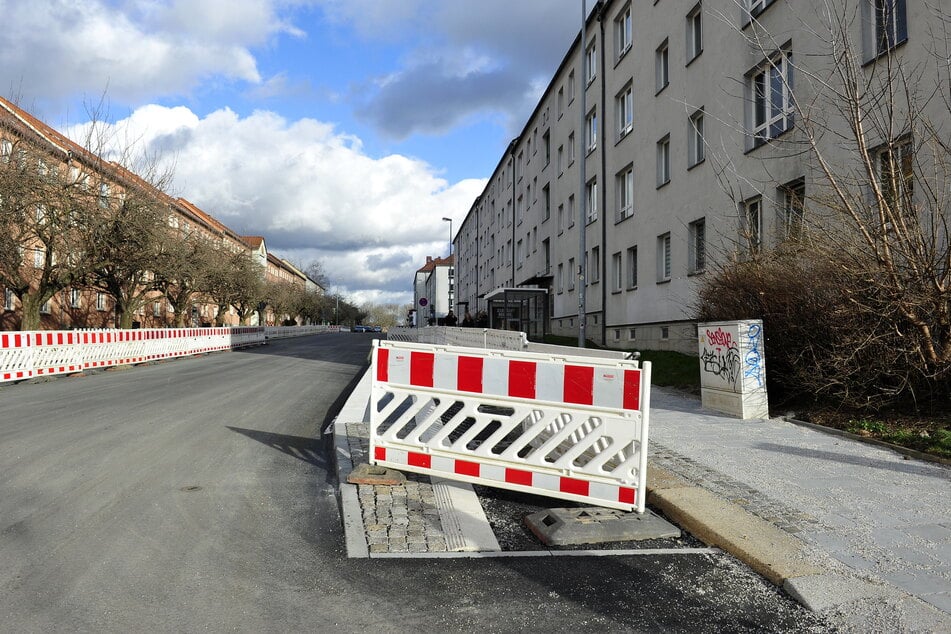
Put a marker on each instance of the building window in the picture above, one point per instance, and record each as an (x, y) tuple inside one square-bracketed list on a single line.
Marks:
[(591, 200), (546, 140), (663, 258), (571, 274), (591, 63), (623, 32), (519, 255), (46, 308), (617, 272), (546, 201), (571, 211), (594, 271), (695, 144), (625, 111), (103, 195), (752, 218), (661, 67), (571, 86), (665, 332), (632, 334), (546, 255), (896, 175), (560, 278), (694, 33), (755, 7), (698, 246), (631, 268), (887, 26), (561, 218), (663, 161), (7, 299), (771, 97), (571, 148), (591, 131), (625, 194), (561, 101), (793, 196), (75, 298), (6, 150), (100, 301)]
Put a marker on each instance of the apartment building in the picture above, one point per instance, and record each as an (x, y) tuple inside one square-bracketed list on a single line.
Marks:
[(668, 138), (434, 282), (52, 181)]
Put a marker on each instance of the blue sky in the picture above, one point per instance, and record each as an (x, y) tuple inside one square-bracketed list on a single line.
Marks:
[(341, 130)]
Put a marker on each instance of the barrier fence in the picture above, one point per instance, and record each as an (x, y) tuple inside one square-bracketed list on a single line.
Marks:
[(28, 354), (573, 427)]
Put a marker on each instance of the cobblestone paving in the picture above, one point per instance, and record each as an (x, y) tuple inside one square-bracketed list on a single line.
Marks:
[(396, 519), (758, 503)]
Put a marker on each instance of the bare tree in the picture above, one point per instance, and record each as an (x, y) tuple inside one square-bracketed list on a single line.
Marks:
[(872, 117)]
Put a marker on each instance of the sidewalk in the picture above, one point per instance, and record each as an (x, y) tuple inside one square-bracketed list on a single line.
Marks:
[(852, 530)]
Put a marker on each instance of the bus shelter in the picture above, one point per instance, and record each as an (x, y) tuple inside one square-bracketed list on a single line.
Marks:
[(521, 309)]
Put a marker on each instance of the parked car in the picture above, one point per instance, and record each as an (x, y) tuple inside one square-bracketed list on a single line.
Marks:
[(360, 328)]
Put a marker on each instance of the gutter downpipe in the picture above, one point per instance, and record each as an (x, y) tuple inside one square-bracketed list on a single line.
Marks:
[(582, 160)]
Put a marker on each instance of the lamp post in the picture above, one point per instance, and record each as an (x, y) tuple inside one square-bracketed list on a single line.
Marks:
[(449, 220)]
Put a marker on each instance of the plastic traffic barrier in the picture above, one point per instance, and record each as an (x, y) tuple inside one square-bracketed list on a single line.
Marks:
[(568, 427)]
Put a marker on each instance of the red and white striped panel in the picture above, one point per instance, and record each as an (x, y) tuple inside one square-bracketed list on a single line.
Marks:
[(519, 479), (57, 352), (613, 387), (16, 356)]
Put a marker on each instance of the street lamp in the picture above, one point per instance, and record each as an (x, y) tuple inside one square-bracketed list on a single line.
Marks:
[(449, 220)]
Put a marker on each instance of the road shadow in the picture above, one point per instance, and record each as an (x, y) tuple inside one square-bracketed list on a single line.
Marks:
[(348, 348), (911, 468), (308, 450)]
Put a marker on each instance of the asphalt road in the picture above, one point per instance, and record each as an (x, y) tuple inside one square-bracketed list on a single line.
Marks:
[(196, 495)]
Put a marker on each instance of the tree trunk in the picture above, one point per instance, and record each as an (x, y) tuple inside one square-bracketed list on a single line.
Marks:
[(30, 318)]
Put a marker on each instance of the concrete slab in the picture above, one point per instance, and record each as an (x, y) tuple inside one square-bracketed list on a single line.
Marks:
[(770, 551), (821, 592), (595, 525), (463, 520)]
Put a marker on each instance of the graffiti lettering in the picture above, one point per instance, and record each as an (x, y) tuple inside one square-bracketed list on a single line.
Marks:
[(725, 364), (720, 338), (754, 358)]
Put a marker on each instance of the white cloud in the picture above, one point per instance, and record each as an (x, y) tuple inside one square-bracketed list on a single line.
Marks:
[(58, 48), (310, 190)]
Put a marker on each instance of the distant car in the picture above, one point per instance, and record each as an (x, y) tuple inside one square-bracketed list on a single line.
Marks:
[(360, 328), (377, 329)]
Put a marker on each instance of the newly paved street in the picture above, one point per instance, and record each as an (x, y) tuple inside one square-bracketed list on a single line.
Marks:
[(197, 495)]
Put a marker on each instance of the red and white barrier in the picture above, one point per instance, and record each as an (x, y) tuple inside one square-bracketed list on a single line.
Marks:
[(24, 355), (568, 427)]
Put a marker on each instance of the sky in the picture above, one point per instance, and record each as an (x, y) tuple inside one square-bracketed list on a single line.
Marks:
[(342, 131)]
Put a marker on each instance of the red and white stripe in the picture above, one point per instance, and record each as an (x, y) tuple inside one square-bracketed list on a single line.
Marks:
[(599, 385), (520, 479), (15, 357)]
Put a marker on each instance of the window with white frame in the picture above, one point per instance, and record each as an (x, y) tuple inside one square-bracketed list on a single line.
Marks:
[(623, 31), (594, 270), (695, 142), (591, 130), (571, 148), (46, 307), (752, 217), (7, 299), (560, 278), (755, 7), (561, 218), (694, 33), (571, 86), (519, 254), (546, 202), (886, 26), (663, 161), (663, 257), (571, 211), (570, 279), (698, 246), (591, 63), (770, 88), (793, 196), (100, 301), (39, 258), (6, 150), (591, 200), (896, 174), (617, 272), (631, 268), (103, 195), (75, 298), (625, 193), (625, 111), (661, 67)]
